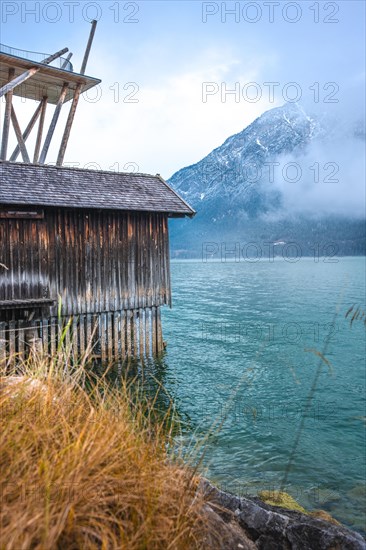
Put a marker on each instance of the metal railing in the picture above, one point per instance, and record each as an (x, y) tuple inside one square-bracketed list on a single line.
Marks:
[(60, 62)]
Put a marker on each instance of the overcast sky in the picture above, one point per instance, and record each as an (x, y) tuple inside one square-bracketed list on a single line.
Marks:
[(176, 59)]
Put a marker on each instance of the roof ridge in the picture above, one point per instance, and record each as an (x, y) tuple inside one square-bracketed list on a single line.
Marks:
[(34, 165)]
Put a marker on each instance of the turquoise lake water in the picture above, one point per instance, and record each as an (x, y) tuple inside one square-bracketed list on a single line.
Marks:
[(243, 342)]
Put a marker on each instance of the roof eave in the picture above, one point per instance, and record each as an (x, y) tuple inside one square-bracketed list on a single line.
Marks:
[(192, 212)]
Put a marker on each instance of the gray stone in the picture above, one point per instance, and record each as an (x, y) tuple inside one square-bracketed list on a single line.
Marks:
[(275, 528)]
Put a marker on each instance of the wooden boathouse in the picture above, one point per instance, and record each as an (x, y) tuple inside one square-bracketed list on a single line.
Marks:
[(84, 248)]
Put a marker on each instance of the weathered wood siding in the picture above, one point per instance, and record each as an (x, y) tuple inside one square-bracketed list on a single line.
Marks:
[(111, 270), (97, 261)]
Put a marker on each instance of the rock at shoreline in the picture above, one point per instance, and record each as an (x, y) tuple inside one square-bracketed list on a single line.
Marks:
[(256, 525)]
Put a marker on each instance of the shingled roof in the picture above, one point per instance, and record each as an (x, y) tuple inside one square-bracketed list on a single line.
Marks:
[(41, 185)]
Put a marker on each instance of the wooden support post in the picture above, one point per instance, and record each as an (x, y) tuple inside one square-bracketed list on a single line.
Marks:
[(21, 340), (135, 334), (19, 136), (7, 116), (129, 333), (82, 346), (109, 317), (14, 82), (54, 120), (12, 341), (123, 334), (147, 332), (88, 47), (53, 335), (33, 340), (2, 348), (116, 339), (27, 131), (153, 331), (159, 331), (70, 120), (40, 129)]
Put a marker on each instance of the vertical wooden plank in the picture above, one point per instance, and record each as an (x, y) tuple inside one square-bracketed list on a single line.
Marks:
[(167, 262), (128, 333), (82, 346), (89, 329), (21, 340), (106, 277), (11, 340), (147, 332), (88, 271), (75, 339), (160, 346), (44, 336), (67, 335), (102, 336), (81, 265), (116, 335), (153, 331), (2, 346), (135, 332), (115, 253), (99, 240), (138, 262), (53, 335), (141, 333), (124, 333), (110, 336)]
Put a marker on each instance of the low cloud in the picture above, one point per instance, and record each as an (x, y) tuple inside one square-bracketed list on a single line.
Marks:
[(327, 179)]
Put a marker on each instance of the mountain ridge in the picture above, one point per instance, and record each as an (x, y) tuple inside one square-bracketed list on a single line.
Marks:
[(242, 188)]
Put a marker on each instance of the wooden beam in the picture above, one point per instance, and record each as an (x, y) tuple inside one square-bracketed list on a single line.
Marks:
[(7, 116), (18, 133), (30, 72), (88, 46), (75, 101), (27, 131), (70, 120), (40, 129), (54, 120)]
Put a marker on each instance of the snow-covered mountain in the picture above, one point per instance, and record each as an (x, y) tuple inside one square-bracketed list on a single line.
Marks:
[(277, 180)]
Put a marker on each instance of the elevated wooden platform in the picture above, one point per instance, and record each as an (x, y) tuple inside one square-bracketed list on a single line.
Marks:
[(48, 81)]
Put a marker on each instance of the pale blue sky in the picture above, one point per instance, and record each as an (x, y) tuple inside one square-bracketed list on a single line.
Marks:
[(170, 52)]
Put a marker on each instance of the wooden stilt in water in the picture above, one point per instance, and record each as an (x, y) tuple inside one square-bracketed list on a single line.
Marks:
[(3, 354), (153, 331)]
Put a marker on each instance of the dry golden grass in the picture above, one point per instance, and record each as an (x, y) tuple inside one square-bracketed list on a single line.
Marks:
[(87, 470)]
